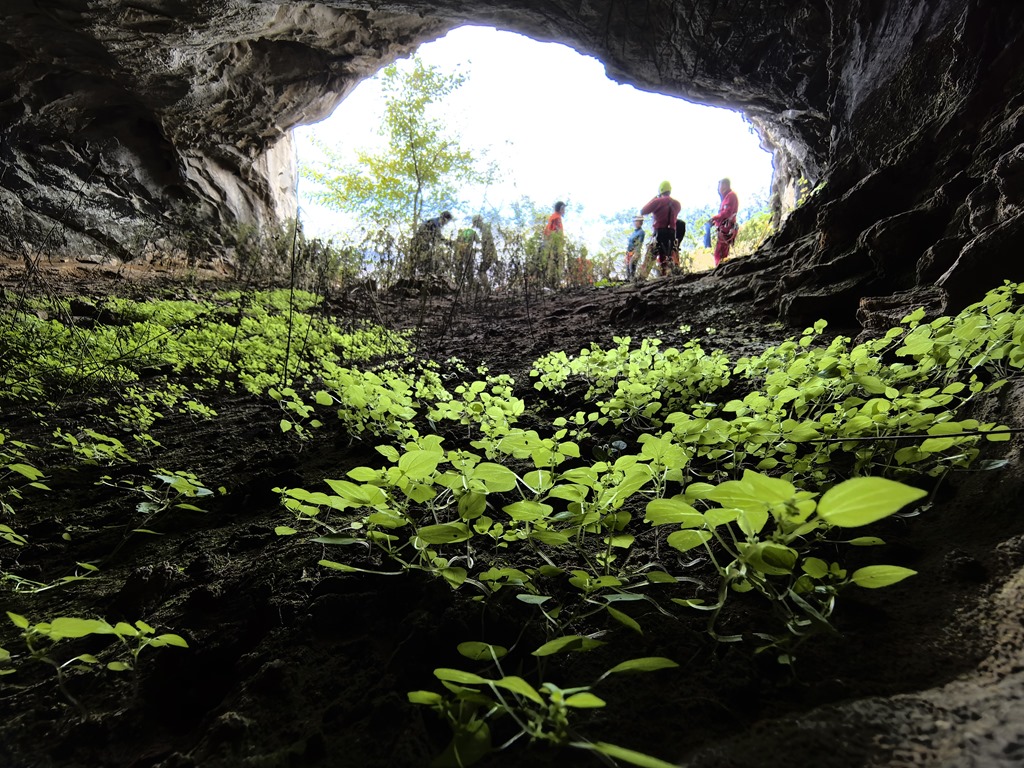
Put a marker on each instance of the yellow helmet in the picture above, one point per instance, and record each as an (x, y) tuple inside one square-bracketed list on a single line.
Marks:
[(665, 187)]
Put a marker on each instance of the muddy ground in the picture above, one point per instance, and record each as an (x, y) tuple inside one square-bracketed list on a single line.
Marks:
[(289, 665)]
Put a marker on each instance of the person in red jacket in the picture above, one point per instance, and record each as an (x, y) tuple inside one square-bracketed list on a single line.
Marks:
[(725, 221), (665, 209)]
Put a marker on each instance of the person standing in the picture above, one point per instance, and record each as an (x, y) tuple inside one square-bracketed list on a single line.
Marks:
[(553, 246), (555, 220), (465, 253), (665, 210), (725, 221), (634, 247), (488, 251), (425, 242)]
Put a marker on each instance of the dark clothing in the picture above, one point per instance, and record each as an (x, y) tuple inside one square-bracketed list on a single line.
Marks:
[(666, 238), (424, 242), (430, 231)]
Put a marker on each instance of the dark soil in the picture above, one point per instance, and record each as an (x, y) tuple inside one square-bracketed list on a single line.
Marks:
[(289, 665)]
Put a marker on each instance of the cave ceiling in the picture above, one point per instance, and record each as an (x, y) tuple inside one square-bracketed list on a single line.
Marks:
[(120, 122)]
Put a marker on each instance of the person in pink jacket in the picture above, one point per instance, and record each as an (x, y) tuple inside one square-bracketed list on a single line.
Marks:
[(665, 209), (725, 220)]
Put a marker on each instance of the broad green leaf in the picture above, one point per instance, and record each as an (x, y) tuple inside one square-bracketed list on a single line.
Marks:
[(866, 541), (585, 700), (699, 490), (364, 474), (358, 495), (625, 619), (520, 686), (470, 744), (769, 489), (419, 464), (688, 539), (815, 567), (720, 516), (533, 599), (998, 434), (482, 651), (769, 558), (66, 626), (645, 664), (495, 477), (472, 505), (388, 452), (26, 470), (752, 521), (459, 676), (324, 398), (428, 698), (119, 666), (176, 640), (660, 577), (528, 511), (539, 480), (454, 576), (335, 540), (445, 533), (863, 500), (20, 621), (567, 643), (937, 444), (874, 576), (669, 511), (550, 538), (284, 530), (738, 494)]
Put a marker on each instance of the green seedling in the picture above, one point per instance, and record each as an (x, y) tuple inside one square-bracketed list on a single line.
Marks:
[(42, 639), (542, 714)]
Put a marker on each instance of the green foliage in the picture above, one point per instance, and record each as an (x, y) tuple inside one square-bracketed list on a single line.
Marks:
[(543, 713), (588, 514), (43, 641), (421, 168)]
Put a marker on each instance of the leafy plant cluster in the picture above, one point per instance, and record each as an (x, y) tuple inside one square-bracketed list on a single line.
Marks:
[(572, 537), (257, 338), (44, 640)]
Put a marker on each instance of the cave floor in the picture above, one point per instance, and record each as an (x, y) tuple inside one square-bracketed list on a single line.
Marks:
[(291, 665)]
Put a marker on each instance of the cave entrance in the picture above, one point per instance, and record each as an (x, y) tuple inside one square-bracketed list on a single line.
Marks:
[(556, 128)]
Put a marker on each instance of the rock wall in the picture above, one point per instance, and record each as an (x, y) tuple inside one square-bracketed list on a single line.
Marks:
[(122, 123)]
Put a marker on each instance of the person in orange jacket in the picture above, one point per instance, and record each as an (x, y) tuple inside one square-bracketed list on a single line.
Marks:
[(666, 210), (555, 220), (550, 271), (725, 221)]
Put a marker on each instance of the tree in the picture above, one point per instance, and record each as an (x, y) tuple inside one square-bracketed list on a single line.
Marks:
[(422, 166)]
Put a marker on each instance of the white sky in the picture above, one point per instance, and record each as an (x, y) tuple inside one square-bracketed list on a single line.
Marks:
[(559, 129)]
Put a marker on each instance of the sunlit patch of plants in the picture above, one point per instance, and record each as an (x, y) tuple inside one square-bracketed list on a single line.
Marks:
[(657, 481), (760, 490)]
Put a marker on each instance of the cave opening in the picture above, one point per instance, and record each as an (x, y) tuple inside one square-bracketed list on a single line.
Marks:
[(554, 127)]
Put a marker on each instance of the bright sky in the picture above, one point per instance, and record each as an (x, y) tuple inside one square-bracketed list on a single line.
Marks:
[(559, 129)]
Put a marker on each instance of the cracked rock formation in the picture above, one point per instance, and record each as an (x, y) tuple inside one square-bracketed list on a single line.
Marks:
[(121, 124)]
